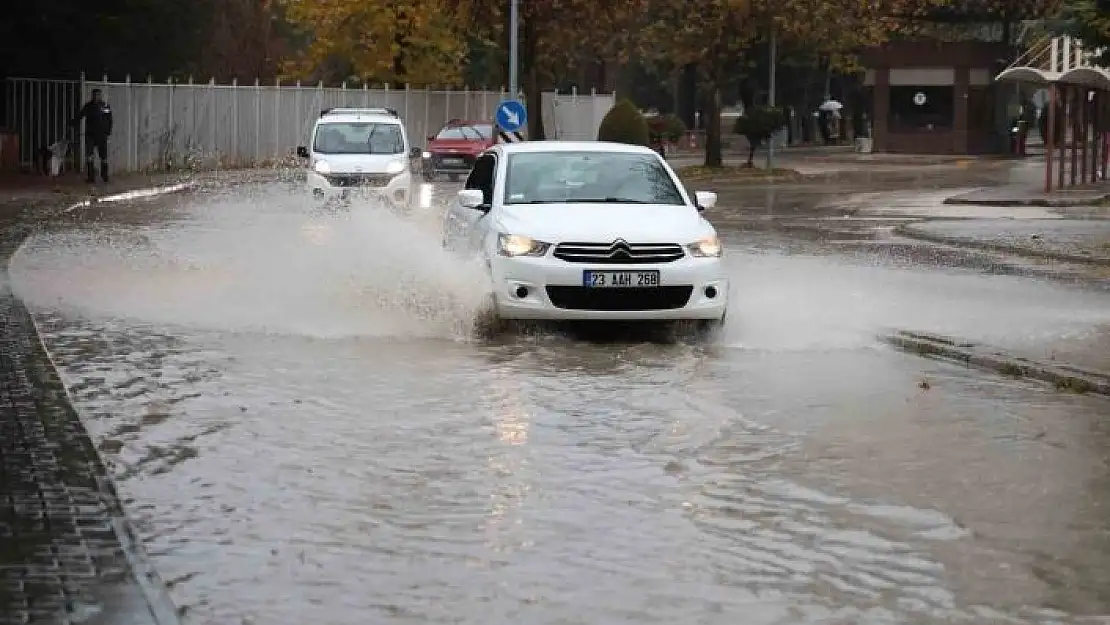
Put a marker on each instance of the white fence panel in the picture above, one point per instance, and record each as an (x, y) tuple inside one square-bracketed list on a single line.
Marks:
[(167, 125)]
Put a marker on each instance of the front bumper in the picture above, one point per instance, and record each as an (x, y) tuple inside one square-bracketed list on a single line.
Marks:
[(397, 190), (555, 292)]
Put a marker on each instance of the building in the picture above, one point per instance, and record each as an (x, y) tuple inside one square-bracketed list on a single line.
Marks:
[(936, 97)]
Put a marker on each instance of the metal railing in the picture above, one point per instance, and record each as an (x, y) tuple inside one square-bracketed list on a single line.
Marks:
[(38, 111), (159, 126)]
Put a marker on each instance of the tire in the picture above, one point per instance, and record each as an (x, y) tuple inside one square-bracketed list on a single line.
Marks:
[(429, 176)]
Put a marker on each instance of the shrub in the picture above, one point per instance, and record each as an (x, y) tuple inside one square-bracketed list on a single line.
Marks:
[(624, 124), (666, 128), (757, 125)]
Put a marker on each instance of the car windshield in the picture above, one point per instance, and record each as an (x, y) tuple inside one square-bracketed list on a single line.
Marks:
[(476, 132), (359, 138), (580, 177)]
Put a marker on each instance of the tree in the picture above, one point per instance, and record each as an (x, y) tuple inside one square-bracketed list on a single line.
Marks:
[(555, 36), (716, 35), (758, 125), (1089, 21), (624, 124), (400, 41)]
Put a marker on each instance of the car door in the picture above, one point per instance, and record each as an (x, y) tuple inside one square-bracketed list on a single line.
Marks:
[(467, 224)]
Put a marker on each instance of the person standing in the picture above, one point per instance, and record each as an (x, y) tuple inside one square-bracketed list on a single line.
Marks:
[(98, 127)]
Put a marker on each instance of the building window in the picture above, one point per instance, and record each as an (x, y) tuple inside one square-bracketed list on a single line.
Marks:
[(921, 109)]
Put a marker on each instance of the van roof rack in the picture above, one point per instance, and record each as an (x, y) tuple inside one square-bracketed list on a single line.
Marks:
[(375, 110)]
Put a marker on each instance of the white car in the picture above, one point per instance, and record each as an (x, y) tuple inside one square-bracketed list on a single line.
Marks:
[(589, 231), (361, 150)]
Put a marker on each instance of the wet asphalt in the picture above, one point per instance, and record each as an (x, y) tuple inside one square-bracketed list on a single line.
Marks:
[(305, 428)]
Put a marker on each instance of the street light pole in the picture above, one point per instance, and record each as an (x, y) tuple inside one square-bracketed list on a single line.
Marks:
[(514, 10), (770, 97)]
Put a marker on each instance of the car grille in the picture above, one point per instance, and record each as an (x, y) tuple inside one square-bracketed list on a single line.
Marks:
[(358, 180), (653, 298), (618, 253)]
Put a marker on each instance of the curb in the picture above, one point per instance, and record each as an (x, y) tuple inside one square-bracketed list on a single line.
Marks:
[(909, 231), (1063, 377), (1040, 202), (137, 194)]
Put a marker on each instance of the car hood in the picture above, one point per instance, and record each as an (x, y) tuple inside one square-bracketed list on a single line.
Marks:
[(359, 163), (635, 223), (457, 145)]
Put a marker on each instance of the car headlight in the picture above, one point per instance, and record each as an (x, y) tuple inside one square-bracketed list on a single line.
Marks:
[(426, 155), (322, 167), (513, 245), (395, 167), (709, 247)]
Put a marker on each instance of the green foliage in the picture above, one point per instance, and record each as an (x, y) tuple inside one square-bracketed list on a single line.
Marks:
[(758, 124), (1090, 23), (666, 128), (624, 124)]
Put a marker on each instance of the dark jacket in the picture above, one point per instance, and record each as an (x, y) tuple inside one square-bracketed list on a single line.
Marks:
[(98, 119)]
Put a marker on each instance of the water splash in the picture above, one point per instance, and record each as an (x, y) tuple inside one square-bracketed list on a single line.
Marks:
[(261, 262), (796, 302)]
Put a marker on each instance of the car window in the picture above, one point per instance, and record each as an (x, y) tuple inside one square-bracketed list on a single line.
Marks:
[(559, 177), (359, 138), (481, 177), (469, 133)]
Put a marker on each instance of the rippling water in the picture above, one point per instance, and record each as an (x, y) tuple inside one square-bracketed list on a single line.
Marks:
[(306, 432)]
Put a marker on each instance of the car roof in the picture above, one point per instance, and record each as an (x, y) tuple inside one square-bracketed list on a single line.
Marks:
[(346, 118), (533, 147)]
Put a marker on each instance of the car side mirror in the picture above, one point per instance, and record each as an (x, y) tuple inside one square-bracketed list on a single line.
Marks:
[(415, 152), (472, 198), (431, 138), (302, 151), (705, 199)]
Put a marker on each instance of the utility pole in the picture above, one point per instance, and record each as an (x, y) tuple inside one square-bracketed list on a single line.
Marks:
[(770, 98), (514, 10)]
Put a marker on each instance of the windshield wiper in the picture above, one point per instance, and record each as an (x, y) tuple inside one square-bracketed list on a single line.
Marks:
[(606, 200)]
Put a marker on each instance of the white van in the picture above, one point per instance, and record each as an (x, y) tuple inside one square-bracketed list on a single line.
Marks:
[(363, 150)]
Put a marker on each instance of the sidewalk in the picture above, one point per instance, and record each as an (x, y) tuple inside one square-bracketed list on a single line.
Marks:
[(66, 552), (1080, 241)]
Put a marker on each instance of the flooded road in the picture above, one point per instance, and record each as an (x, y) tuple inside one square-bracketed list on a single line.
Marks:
[(306, 431)]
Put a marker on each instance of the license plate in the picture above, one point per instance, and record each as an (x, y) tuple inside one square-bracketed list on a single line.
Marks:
[(452, 161), (594, 279)]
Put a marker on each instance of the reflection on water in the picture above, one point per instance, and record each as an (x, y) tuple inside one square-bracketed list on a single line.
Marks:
[(292, 446)]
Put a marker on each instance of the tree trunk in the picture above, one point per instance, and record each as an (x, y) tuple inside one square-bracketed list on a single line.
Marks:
[(713, 156), (687, 94), (533, 91)]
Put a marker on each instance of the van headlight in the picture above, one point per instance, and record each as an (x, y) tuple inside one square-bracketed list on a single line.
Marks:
[(395, 167), (709, 247), (322, 167), (514, 245)]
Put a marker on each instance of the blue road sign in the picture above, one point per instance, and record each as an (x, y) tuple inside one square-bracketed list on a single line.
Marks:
[(511, 115)]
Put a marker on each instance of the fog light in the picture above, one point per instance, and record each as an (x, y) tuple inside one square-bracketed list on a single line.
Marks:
[(521, 292), (711, 292), (399, 195)]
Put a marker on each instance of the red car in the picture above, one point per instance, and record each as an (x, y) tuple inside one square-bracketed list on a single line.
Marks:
[(454, 148)]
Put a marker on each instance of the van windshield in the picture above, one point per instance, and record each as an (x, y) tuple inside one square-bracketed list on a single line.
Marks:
[(359, 138)]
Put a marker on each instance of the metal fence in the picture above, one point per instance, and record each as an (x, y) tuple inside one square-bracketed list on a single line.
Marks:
[(169, 125)]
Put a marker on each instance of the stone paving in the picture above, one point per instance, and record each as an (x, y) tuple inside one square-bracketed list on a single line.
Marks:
[(66, 553)]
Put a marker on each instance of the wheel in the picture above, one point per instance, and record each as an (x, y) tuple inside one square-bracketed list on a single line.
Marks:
[(429, 175)]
